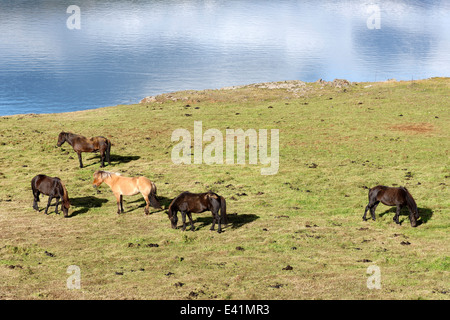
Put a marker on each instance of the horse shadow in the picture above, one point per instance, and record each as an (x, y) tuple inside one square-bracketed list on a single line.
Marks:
[(425, 214), (115, 159), (235, 220), (163, 201), (83, 204)]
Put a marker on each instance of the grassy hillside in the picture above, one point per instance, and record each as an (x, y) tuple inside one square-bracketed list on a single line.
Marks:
[(297, 234)]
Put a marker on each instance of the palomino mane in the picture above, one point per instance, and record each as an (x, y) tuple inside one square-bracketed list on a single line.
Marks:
[(107, 174)]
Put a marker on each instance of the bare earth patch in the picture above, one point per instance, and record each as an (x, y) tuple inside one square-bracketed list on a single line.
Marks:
[(414, 127)]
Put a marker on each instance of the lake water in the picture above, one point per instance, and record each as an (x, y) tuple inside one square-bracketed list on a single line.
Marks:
[(126, 50)]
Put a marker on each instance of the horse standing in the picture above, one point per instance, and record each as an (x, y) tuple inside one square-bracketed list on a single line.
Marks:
[(129, 187), (188, 202), (54, 188), (81, 144), (391, 196)]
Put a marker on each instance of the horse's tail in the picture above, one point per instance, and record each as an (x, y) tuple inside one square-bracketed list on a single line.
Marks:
[(223, 210), (152, 196), (411, 203), (33, 188), (108, 151)]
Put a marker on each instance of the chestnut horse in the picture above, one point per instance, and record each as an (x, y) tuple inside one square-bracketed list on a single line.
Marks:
[(81, 144), (391, 196), (188, 202), (129, 187), (53, 188)]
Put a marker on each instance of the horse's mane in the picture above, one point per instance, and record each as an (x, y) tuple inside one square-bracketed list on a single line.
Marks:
[(68, 133), (107, 174), (65, 196), (409, 199), (174, 201)]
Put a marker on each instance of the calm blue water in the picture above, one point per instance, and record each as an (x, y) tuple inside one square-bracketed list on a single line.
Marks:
[(126, 50)]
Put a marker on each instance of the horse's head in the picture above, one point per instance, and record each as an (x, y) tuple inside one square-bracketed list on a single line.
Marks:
[(65, 208), (172, 217), (98, 178), (61, 139), (65, 201)]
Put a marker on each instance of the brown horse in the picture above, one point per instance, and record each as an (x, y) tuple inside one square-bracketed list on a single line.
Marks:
[(391, 196), (54, 188), (82, 144), (188, 202), (129, 187)]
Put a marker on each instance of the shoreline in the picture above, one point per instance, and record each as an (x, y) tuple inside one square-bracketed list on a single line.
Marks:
[(296, 87)]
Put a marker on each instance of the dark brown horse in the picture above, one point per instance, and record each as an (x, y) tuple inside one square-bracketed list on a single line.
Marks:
[(188, 202), (53, 188), (82, 144), (391, 196)]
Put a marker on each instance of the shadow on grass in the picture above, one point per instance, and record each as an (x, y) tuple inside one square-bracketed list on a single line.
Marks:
[(115, 159), (424, 213), (163, 201), (234, 220), (83, 204)]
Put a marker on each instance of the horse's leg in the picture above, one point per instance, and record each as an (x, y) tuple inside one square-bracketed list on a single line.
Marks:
[(365, 212), (57, 203), (372, 200), (213, 222), (397, 214), (219, 228), (36, 200), (118, 201), (50, 197), (79, 158), (121, 203), (102, 155), (183, 218), (147, 201), (217, 218), (190, 220), (108, 153), (372, 210)]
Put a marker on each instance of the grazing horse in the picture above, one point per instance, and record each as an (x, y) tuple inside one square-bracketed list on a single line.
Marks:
[(82, 144), (129, 187), (54, 188), (188, 202), (391, 196)]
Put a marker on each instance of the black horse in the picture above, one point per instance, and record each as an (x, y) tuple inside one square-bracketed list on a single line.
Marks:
[(81, 144), (391, 196), (53, 188), (188, 202)]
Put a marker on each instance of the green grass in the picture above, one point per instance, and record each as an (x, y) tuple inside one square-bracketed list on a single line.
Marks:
[(306, 216)]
